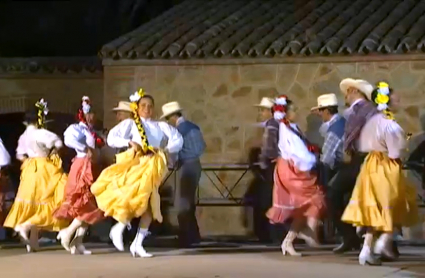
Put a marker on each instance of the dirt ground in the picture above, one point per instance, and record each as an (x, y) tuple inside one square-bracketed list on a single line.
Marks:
[(231, 262)]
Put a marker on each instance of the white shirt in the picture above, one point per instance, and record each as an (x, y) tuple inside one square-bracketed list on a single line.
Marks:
[(157, 132), (37, 143), (292, 148), (4, 155), (79, 138)]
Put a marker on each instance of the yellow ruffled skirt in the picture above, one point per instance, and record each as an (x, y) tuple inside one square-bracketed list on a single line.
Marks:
[(40, 192), (128, 188), (382, 198)]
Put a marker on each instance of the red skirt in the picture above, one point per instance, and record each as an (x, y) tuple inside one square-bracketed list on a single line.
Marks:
[(295, 194), (79, 203)]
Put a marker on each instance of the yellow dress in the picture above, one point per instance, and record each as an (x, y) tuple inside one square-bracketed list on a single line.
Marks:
[(128, 188), (382, 197), (40, 192)]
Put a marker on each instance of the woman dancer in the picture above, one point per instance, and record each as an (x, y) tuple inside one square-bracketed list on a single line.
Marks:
[(42, 180), (382, 198), (79, 204), (129, 188), (296, 193)]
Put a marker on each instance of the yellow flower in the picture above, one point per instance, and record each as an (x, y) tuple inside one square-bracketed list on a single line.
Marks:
[(141, 93), (133, 106), (383, 85), (382, 99)]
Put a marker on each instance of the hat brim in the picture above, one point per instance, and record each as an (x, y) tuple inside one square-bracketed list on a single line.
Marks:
[(349, 82), (121, 109), (170, 113)]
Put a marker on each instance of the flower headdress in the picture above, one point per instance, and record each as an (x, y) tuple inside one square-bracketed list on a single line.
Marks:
[(82, 111), (42, 112), (135, 98), (280, 108), (383, 98)]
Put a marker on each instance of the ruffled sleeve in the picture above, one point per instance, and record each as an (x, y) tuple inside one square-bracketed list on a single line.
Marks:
[(50, 139), (121, 134), (71, 138), (175, 140), (293, 148), (394, 137), (4, 155)]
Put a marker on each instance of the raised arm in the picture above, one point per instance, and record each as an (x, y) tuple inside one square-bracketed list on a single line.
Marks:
[(175, 140)]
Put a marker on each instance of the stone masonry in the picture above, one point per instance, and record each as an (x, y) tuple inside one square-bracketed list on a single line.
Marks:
[(220, 97)]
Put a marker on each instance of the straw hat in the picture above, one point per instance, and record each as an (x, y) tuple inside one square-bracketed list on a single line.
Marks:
[(123, 106), (170, 108), (326, 101), (362, 85), (266, 102)]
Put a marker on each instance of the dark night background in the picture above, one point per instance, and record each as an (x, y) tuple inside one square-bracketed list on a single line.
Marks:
[(70, 28)]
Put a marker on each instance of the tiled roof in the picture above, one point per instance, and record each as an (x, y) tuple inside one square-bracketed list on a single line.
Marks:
[(275, 28), (51, 65)]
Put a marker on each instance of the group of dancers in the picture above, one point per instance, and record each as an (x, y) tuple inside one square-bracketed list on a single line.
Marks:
[(48, 199), (361, 158)]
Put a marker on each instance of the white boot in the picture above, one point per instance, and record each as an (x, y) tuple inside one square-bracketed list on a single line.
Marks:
[(287, 246), (366, 257), (116, 235), (77, 246), (24, 232), (136, 248), (66, 234)]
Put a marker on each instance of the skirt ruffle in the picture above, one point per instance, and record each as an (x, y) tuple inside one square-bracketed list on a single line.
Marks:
[(128, 188), (382, 197), (79, 203), (40, 193), (295, 194)]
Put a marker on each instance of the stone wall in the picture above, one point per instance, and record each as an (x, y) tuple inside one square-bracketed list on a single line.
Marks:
[(62, 91), (220, 97)]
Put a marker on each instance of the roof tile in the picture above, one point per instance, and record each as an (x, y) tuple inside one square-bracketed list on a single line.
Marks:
[(275, 28)]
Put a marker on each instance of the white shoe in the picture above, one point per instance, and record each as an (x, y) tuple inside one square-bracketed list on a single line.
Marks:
[(136, 248), (366, 257), (65, 238), (287, 245), (116, 235), (379, 245), (77, 246), (79, 250)]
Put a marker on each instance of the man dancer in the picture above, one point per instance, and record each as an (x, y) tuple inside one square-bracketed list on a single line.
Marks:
[(357, 95), (267, 162), (190, 170)]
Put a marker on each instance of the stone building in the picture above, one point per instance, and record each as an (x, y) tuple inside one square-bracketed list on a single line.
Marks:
[(217, 58)]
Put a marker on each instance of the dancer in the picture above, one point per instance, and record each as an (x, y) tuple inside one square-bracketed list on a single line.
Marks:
[(79, 204), (42, 180), (381, 199), (296, 193), (129, 188), (357, 94), (4, 162), (189, 169)]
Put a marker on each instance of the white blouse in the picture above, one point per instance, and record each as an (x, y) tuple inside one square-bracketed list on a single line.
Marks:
[(37, 143), (292, 148), (79, 138), (382, 135), (4, 155), (156, 132)]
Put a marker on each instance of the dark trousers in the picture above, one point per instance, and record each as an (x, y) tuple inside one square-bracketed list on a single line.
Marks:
[(339, 192), (189, 176)]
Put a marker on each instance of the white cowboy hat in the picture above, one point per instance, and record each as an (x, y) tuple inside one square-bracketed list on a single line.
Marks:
[(362, 85), (170, 108), (123, 106), (266, 102), (325, 101)]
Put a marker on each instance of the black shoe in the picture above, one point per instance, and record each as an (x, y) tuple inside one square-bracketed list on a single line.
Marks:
[(347, 246)]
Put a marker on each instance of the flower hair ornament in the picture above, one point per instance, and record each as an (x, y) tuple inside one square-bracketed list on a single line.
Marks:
[(134, 99), (383, 98), (42, 112), (82, 111), (280, 108)]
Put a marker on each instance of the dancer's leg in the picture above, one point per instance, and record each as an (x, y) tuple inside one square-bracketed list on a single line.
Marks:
[(287, 244), (66, 234), (116, 235), (136, 247), (77, 246), (366, 255)]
